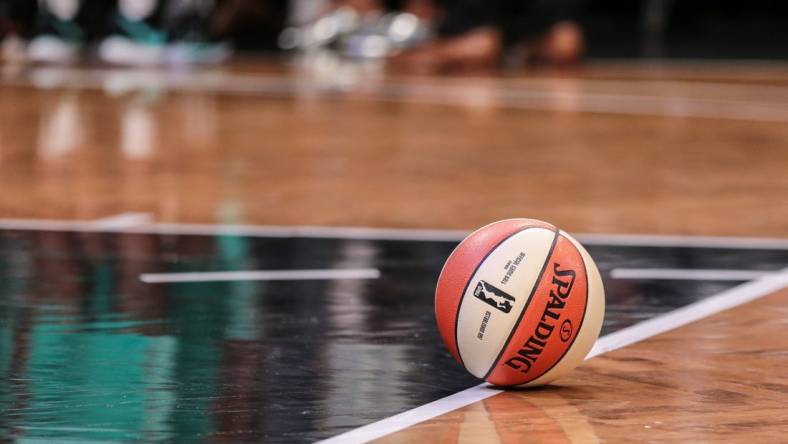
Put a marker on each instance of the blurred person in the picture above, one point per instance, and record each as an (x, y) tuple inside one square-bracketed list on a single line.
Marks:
[(254, 25), (482, 34), (63, 27), (129, 32), (473, 34), (357, 29), (153, 32), (137, 33), (16, 21)]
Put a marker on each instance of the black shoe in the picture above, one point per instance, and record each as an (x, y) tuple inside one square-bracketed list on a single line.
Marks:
[(163, 34), (191, 41)]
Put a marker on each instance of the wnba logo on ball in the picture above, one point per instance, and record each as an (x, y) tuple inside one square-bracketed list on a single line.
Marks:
[(494, 296)]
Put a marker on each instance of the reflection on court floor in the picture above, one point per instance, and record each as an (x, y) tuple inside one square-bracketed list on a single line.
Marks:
[(90, 352)]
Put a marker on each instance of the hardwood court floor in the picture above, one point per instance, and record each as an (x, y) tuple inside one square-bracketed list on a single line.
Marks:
[(456, 153), (602, 150), (714, 380)]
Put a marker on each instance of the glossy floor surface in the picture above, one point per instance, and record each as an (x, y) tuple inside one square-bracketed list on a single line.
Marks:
[(92, 350), (715, 380), (592, 151)]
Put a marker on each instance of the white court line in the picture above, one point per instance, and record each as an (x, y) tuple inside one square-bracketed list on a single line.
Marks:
[(728, 299), (261, 275), (121, 220), (588, 102), (687, 274), (445, 93), (219, 80), (360, 233), (414, 416), (667, 240), (393, 234), (733, 297)]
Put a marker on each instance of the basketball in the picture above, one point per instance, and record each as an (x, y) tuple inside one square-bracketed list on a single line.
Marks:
[(519, 302)]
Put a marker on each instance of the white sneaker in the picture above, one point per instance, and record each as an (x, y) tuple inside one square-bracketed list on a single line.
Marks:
[(52, 49), (199, 53), (125, 51)]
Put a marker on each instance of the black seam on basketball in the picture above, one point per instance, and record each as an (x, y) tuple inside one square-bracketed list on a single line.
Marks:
[(579, 325), (525, 307), (470, 278)]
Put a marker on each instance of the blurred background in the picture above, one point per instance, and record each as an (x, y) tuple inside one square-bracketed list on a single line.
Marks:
[(423, 35), (660, 116)]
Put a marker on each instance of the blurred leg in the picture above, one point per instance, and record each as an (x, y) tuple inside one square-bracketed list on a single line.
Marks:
[(137, 35), (562, 45), (479, 49), (192, 37), (58, 33), (16, 23), (476, 34)]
